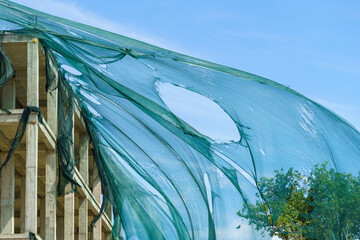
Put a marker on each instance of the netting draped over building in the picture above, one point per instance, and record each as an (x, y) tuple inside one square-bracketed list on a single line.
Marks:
[(164, 178)]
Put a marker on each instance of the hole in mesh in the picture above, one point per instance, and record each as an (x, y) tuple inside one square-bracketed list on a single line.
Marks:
[(71, 70), (200, 112)]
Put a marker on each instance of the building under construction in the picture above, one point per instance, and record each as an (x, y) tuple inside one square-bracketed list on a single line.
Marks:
[(181, 147), (29, 200)]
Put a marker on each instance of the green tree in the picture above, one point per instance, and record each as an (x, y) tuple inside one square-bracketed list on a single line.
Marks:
[(323, 205)]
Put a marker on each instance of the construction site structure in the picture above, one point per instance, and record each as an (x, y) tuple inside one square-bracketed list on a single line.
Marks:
[(29, 201)]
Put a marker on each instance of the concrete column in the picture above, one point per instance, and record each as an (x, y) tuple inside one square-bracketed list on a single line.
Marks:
[(33, 73), (50, 195), (69, 220), (22, 205), (84, 171), (69, 206), (97, 194), (50, 169), (32, 138), (7, 195), (8, 172), (52, 104)]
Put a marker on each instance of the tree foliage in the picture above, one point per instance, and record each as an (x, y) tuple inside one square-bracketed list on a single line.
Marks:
[(323, 205)]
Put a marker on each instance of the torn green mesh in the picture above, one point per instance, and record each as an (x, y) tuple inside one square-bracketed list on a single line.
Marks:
[(165, 179), (6, 70), (20, 131)]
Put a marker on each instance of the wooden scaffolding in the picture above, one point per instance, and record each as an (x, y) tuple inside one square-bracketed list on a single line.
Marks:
[(29, 201)]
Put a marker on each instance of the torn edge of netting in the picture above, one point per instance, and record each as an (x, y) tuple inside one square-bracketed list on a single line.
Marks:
[(64, 141), (65, 149), (66, 108), (50, 63), (23, 122), (67, 100), (64, 137), (105, 183)]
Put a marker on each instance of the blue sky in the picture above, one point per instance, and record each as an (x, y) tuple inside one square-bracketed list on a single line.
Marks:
[(311, 46)]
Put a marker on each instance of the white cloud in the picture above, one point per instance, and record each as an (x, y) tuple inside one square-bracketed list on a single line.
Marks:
[(70, 10)]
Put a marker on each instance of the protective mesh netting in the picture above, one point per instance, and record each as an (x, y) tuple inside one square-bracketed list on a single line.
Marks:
[(292, 174)]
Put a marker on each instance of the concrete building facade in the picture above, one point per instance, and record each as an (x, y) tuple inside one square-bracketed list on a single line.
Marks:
[(29, 200)]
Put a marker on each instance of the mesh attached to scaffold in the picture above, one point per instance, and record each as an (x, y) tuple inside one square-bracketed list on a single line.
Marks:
[(291, 172)]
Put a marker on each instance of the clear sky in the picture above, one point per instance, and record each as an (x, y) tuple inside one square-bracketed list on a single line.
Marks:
[(311, 46)]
